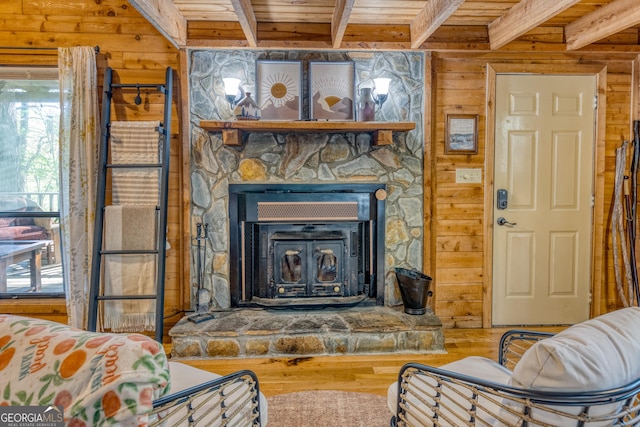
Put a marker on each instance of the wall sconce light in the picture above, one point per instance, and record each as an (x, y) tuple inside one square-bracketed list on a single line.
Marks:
[(371, 93), (232, 90), (381, 89)]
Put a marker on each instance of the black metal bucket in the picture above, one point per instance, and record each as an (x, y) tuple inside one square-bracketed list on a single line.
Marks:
[(414, 289)]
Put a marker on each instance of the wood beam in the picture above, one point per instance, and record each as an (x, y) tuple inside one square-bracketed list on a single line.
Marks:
[(603, 22), (247, 19), (165, 17), (341, 14), (524, 17), (430, 18)]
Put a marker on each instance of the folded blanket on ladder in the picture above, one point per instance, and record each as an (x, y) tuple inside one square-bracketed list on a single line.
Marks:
[(130, 227), (135, 143)]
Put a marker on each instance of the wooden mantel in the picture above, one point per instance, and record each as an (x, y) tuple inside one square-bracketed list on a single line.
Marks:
[(232, 130)]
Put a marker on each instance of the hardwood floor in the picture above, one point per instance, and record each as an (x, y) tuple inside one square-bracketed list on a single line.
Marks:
[(362, 373)]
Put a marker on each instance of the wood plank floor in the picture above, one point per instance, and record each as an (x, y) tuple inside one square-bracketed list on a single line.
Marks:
[(362, 373)]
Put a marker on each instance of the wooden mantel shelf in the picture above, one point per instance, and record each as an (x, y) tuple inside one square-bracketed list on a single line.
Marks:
[(232, 130)]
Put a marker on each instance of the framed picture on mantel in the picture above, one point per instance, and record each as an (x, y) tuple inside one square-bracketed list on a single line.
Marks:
[(279, 89), (461, 134), (331, 90)]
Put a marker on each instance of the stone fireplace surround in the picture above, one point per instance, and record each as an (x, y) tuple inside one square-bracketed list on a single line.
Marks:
[(305, 159)]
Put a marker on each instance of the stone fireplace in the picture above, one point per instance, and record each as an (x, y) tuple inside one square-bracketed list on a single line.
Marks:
[(306, 158), (312, 271)]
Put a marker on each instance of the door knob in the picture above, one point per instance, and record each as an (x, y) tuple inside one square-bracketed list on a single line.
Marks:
[(502, 221)]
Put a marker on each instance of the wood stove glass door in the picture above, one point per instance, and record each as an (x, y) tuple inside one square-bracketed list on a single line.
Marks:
[(308, 268), (327, 269), (289, 269)]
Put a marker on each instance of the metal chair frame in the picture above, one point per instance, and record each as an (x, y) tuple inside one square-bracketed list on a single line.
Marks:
[(429, 396), (231, 400)]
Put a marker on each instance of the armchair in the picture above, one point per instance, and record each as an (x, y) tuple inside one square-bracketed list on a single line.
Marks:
[(214, 400), (99, 379), (587, 375)]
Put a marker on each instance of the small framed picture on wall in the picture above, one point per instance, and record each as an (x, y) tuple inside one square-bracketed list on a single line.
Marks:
[(461, 134), (331, 90)]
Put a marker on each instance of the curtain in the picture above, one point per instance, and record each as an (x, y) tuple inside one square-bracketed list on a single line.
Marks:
[(79, 136)]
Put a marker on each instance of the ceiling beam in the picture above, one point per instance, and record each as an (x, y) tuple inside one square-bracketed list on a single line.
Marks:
[(165, 17), (341, 15), (603, 22), (430, 18), (523, 17), (247, 19)]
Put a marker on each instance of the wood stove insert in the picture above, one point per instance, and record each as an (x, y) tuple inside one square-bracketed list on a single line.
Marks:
[(306, 245)]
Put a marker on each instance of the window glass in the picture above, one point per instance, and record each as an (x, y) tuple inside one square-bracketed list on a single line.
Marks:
[(30, 255)]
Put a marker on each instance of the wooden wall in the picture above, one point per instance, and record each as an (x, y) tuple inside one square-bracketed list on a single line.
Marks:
[(137, 53), (454, 250), (459, 228)]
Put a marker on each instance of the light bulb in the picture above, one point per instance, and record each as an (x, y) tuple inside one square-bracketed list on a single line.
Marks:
[(231, 88), (382, 89)]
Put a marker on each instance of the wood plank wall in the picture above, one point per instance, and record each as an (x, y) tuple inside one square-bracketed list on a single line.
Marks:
[(460, 87), (138, 53)]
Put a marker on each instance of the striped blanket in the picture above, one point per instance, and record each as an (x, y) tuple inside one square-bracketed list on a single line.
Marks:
[(135, 143), (130, 228)]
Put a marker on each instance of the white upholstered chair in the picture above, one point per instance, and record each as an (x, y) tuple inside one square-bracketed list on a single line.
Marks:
[(587, 375)]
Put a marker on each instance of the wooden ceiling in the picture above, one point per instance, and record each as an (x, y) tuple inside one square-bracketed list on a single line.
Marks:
[(396, 24)]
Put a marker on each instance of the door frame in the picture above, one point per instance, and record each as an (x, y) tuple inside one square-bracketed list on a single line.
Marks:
[(598, 217)]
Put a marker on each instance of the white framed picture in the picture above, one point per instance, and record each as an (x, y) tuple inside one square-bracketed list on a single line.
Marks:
[(279, 89), (331, 90)]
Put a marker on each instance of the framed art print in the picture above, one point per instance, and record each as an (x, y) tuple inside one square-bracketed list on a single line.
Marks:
[(279, 89), (461, 134), (331, 90)]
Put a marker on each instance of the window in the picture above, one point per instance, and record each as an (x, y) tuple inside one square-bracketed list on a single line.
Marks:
[(30, 255)]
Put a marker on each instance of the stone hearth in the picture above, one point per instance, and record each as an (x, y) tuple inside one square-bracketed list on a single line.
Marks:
[(281, 333)]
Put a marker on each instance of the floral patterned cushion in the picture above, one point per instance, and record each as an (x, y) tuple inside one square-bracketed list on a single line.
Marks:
[(99, 378)]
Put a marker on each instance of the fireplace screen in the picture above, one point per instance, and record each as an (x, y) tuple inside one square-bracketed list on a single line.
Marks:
[(305, 244)]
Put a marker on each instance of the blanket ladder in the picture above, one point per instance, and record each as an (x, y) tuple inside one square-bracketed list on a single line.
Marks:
[(98, 297)]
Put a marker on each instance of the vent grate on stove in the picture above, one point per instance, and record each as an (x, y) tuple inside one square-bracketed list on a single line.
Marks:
[(307, 211)]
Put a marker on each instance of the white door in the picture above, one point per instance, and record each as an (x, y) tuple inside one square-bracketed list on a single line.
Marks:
[(544, 143)]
